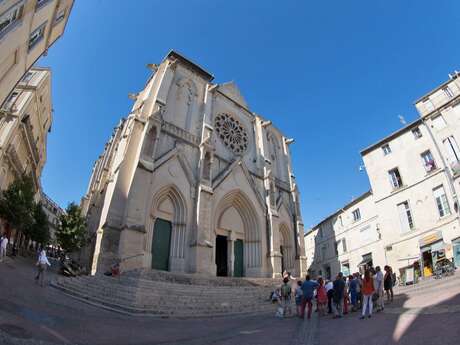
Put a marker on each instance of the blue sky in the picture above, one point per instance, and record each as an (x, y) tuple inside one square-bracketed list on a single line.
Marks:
[(334, 75)]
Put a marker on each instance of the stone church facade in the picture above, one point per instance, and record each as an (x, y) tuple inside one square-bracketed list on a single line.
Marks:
[(193, 181)]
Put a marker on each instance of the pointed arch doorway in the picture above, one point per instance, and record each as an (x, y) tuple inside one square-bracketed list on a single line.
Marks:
[(161, 244), (237, 237)]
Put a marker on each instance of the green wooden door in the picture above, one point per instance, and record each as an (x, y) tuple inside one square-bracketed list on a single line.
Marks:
[(161, 242), (238, 264)]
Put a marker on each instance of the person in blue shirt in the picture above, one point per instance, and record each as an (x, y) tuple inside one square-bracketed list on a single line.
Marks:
[(308, 288)]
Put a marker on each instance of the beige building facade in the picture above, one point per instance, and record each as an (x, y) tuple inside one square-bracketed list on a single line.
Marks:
[(347, 241), (25, 120), (194, 181), (53, 213), (27, 29), (414, 181)]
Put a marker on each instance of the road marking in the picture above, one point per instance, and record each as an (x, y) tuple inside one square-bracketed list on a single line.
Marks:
[(55, 334), (250, 332)]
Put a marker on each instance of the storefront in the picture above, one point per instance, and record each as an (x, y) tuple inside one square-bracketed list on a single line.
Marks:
[(366, 263), (432, 248), (345, 268), (456, 251)]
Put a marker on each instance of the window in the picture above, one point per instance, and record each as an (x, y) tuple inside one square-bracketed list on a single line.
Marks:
[(386, 149), (11, 17), (405, 216), (60, 15), (452, 150), (27, 77), (336, 247), (344, 245), (365, 234), (428, 161), (395, 178), (11, 100), (37, 35), (448, 92), (356, 215), (417, 133), (441, 201), (40, 4), (438, 122), (429, 106)]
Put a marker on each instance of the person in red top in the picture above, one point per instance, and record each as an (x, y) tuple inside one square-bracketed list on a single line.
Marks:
[(321, 297), (368, 291)]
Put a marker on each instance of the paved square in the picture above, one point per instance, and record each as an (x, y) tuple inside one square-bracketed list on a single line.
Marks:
[(428, 313)]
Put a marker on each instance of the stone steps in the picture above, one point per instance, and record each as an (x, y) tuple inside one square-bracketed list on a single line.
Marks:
[(165, 299)]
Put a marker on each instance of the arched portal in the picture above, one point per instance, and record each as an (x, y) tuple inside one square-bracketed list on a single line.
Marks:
[(166, 238), (286, 248), (238, 240)]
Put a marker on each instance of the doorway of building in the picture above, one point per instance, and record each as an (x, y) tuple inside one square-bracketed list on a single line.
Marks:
[(456, 252), (427, 259), (161, 243), (238, 269), (283, 264), (221, 256)]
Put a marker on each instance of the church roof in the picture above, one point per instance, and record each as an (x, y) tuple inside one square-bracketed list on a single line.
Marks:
[(190, 64), (232, 91)]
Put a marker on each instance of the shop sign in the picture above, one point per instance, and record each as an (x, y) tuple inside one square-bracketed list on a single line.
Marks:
[(431, 238)]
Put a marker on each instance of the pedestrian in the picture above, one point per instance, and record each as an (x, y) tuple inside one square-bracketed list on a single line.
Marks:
[(330, 293), (321, 297), (337, 299), (286, 293), (298, 297), (308, 289), (378, 286), (367, 291), (42, 264), (3, 245), (359, 290), (388, 283), (352, 287), (346, 299)]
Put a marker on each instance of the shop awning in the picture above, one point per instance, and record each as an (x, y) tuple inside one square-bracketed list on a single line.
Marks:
[(365, 261)]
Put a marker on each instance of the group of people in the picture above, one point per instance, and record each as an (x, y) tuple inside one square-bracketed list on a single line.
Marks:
[(340, 296)]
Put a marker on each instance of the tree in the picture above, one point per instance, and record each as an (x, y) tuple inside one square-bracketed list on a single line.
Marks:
[(17, 204), (39, 230), (71, 232)]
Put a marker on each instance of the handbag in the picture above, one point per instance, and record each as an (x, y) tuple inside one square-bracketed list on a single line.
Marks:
[(375, 297)]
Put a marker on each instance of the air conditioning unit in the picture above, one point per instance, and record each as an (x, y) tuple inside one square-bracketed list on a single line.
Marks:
[(389, 248)]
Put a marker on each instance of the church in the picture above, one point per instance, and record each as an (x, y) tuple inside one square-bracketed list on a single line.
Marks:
[(193, 181)]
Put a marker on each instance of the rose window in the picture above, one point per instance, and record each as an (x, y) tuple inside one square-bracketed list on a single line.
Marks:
[(232, 133)]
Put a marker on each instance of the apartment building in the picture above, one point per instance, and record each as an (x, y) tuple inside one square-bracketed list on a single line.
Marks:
[(414, 175), (53, 212), (27, 29), (24, 125), (346, 241)]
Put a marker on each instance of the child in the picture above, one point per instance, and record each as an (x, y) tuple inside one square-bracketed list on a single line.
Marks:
[(298, 297), (321, 297)]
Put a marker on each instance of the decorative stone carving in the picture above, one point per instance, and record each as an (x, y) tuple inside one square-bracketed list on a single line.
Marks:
[(232, 133)]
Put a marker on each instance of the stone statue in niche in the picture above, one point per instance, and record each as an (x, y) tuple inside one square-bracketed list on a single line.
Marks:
[(186, 98), (149, 144)]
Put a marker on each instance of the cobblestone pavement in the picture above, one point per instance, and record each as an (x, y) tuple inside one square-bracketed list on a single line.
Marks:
[(32, 315)]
